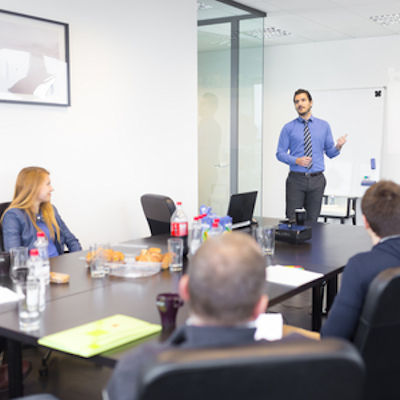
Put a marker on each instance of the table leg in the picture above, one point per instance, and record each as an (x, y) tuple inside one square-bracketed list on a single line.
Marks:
[(316, 307), (331, 290), (14, 354)]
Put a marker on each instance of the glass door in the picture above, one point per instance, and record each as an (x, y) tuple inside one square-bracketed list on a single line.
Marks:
[(230, 93), (214, 101)]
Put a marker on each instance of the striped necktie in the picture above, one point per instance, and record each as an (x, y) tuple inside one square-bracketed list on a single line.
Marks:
[(307, 142)]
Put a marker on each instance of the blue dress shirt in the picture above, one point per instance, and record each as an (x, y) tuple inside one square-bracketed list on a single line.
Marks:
[(291, 144)]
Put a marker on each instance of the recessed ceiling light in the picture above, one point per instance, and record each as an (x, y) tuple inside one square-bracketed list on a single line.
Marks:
[(388, 19), (203, 6), (270, 32)]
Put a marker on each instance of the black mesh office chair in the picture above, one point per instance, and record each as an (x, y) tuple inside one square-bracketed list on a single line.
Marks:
[(3, 207), (41, 396), (305, 369), (378, 336), (158, 210)]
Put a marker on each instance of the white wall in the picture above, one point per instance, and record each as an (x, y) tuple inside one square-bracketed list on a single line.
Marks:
[(132, 126), (357, 63)]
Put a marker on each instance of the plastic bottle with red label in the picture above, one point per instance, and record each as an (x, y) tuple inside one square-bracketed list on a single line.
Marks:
[(180, 226)]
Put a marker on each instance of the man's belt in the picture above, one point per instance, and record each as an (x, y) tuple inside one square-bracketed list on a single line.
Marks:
[(307, 173)]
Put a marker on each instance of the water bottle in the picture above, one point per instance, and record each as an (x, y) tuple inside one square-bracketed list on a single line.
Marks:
[(28, 312), (195, 243), (216, 229), (36, 269), (226, 223), (42, 245), (206, 224), (179, 226)]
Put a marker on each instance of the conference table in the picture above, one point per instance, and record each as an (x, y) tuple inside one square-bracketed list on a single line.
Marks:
[(85, 299)]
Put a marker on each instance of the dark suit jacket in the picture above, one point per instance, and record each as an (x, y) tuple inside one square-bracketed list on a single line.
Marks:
[(123, 383)]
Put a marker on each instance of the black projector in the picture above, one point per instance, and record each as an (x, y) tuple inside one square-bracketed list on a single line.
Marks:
[(293, 233)]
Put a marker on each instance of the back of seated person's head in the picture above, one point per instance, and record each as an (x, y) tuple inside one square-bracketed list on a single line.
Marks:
[(381, 208), (226, 280)]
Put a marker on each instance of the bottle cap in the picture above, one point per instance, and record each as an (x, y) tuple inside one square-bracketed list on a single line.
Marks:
[(40, 234), (178, 203), (34, 252)]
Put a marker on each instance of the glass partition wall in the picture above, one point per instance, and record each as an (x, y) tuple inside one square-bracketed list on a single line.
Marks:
[(230, 90)]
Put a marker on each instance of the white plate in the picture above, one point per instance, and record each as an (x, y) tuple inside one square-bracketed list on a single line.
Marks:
[(134, 270)]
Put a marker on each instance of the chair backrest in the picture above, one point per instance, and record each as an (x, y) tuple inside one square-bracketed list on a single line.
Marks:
[(3, 207), (158, 210), (378, 336), (302, 369)]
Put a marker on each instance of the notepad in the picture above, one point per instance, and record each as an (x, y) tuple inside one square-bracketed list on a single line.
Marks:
[(287, 275), (8, 299), (96, 337), (269, 327)]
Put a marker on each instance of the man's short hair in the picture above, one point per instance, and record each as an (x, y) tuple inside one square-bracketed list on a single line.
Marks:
[(226, 279), (381, 207), (300, 91)]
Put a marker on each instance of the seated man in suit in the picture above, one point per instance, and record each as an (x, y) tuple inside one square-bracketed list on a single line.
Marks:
[(381, 213), (224, 288)]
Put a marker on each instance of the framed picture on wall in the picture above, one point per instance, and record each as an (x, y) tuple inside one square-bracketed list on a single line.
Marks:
[(34, 60)]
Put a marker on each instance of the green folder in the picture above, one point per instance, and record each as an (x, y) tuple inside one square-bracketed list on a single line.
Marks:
[(96, 337)]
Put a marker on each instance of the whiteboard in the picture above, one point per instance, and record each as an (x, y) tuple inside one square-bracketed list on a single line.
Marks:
[(359, 113)]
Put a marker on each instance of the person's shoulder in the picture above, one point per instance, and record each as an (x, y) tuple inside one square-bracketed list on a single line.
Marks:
[(320, 121), (365, 262), (14, 213), (289, 125)]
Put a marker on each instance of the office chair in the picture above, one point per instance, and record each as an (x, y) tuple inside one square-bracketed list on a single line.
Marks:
[(3, 207), (298, 369), (378, 336), (41, 396), (158, 210), (339, 210)]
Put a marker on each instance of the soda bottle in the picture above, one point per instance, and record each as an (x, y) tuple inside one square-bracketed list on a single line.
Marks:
[(42, 245), (36, 269), (179, 226)]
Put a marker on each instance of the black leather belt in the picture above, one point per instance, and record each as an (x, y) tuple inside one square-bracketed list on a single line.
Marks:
[(307, 173)]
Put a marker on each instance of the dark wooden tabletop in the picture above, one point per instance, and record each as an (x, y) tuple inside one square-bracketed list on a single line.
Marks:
[(86, 299)]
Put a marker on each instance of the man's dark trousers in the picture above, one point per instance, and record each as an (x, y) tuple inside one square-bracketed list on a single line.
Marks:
[(304, 190)]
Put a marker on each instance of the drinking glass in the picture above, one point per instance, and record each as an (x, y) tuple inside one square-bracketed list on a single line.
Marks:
[(28, 305), (168, 305), (300, 216), (175, 247), (18, 264), (265, 237), (98, 267)]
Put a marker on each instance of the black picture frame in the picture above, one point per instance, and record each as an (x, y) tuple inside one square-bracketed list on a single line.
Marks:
[(34, 60)]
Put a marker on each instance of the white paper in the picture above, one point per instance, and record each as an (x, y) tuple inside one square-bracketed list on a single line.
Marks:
[(290, 276), (269, 327), (8, 299)]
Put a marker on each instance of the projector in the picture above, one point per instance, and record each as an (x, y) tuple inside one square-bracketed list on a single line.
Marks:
[(293, 233)]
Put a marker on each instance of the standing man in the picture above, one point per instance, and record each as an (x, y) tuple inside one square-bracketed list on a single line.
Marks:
[(302, 144)]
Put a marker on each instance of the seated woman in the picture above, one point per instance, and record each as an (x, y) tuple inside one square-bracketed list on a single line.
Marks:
[(31, 211)]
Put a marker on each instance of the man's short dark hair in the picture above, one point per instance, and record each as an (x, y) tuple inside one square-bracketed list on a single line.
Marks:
[(381, 207), (227, 279), (300, 91)]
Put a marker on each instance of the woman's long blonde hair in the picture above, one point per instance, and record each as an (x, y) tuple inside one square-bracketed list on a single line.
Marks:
[(27, 188)]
